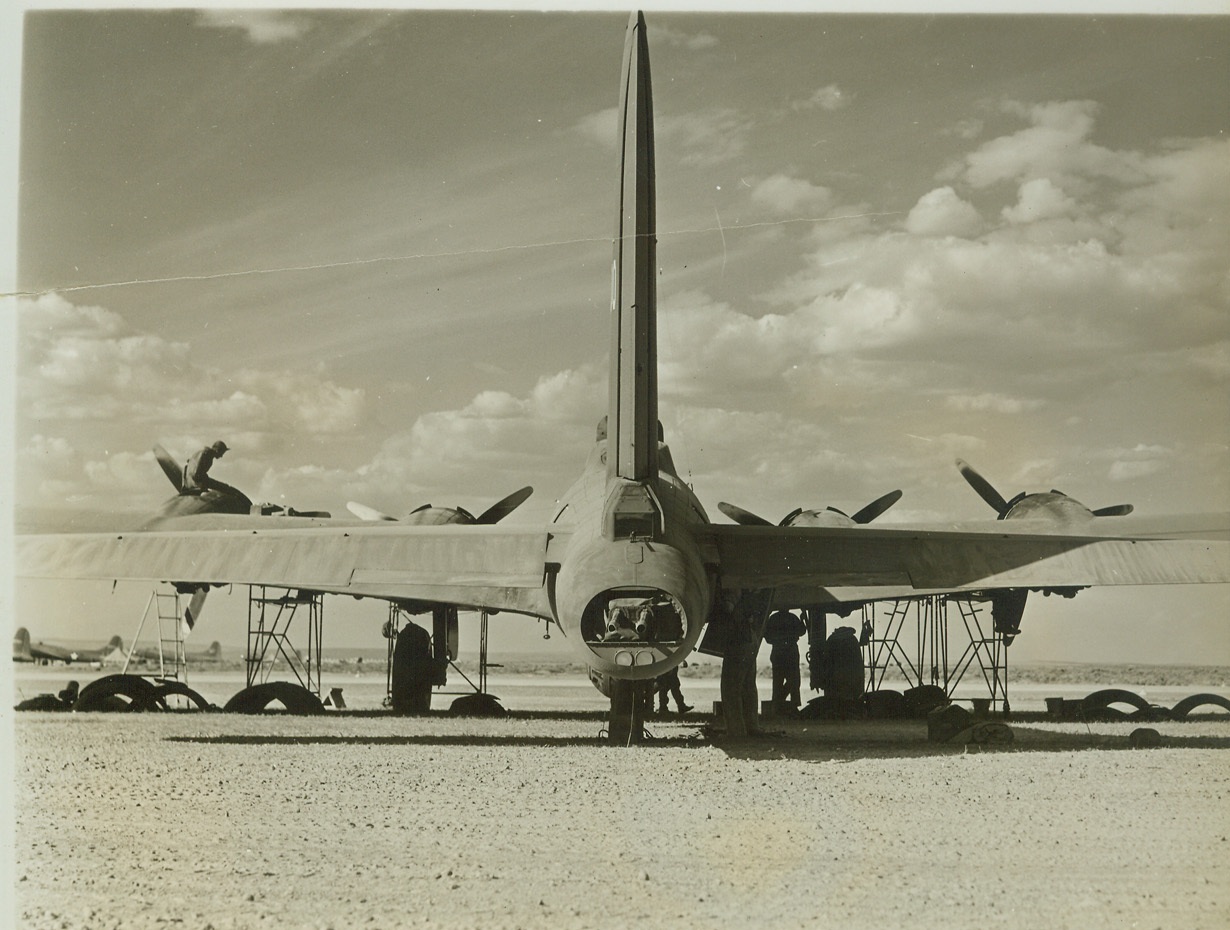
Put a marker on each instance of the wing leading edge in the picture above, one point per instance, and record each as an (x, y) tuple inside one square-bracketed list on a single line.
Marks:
[(507, 568), (480, 567), (895, 561)]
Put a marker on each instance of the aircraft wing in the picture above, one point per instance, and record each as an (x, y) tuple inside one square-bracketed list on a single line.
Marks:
[(828, 564), (469, 566)]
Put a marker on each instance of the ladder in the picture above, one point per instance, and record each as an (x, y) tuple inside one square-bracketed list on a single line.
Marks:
[(172, 660)]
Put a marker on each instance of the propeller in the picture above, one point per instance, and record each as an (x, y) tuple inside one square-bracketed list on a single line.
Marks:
[(1002, 507), (427, 514), (875, 508), (1115, 510), (984, 488), (170, 467), (744, 517), (363, 512), (865, 515), (500, 509)]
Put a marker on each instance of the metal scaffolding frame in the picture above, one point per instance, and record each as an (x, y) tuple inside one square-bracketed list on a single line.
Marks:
[(269, 620), (927, 663), (990, 651)]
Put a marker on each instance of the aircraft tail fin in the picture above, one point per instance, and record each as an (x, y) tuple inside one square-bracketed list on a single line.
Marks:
[(114, 643), (21, 645), (632, 420)]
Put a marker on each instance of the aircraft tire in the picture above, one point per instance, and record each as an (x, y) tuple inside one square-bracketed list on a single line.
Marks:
[(1188, 704), (109, 693), (168, 688), (295, 698), (477, 705), (1144, 738), (1097, 705), (922, 699), (412, 671), (885, 704)]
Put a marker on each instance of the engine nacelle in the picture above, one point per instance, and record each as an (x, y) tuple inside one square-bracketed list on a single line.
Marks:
[(1048, 505)]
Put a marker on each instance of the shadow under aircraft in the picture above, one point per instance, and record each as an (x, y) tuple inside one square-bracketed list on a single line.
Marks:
[(630, 567)]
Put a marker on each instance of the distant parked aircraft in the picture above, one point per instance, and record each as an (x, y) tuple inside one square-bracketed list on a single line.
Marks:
[(26, 651), (212, 654)]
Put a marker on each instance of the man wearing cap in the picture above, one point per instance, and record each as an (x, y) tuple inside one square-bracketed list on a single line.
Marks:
[(196, 472)]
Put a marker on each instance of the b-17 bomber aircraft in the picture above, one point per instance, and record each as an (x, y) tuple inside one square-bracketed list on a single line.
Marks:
[(630, 567), (151, 654), (24, 650)]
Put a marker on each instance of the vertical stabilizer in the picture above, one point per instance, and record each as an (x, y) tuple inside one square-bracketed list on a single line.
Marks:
[(632, 423)]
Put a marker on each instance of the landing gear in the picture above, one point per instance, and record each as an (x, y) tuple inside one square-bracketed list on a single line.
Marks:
[(412, 671), (629, 701)]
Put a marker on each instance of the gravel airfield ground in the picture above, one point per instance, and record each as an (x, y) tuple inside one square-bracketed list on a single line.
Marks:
[(365, 820)]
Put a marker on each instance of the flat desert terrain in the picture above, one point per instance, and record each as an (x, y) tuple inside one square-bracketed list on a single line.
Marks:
[(361, 819)]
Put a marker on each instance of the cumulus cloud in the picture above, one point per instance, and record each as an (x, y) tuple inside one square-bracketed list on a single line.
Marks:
[(828, 98), (706, 137), (991, 403), (1056, 145), (601, 127), (942, 212), (1062, 275), (692, 41), (965, 129), (711, 350), (948, 326), (701, 138), (83, 368), (1141, 461), (1127, 471), (85, 363), (786, 195), (1039, 199), (51, 465), (262, 27), (497, 432)]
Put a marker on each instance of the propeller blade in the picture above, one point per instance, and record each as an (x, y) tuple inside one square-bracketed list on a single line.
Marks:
[(1118, 510), (785, 521), (363, 512), (170, 467), (983, 487), (876, 507), (499, 510), (192, 613), (741, 516)]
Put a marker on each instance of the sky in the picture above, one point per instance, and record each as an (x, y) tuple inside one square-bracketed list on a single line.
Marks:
[(370, 250)]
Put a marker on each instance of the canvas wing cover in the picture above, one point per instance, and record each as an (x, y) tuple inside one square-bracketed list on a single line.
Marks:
[(819, 564), (469, 566)]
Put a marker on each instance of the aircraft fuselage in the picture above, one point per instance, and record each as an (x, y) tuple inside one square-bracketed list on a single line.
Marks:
[(634, 587)]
